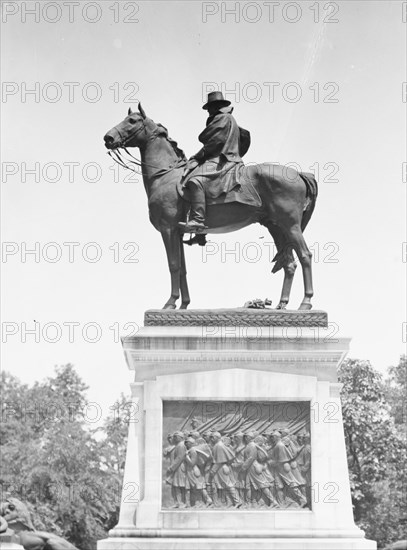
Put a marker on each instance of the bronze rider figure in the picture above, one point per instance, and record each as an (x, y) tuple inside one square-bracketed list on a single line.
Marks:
[(224, 144)]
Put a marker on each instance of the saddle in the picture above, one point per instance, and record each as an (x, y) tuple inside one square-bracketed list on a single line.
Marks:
[(237, 180)]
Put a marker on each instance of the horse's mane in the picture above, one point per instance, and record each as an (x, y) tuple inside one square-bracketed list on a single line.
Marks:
[(164, 132)]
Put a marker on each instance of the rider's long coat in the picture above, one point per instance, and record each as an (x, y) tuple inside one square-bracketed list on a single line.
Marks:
[(224, 144), (222, 137)]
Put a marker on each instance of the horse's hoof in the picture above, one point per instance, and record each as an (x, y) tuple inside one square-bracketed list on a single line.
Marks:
[(305, 307), (184, 306), (169, 306), (282, 305)]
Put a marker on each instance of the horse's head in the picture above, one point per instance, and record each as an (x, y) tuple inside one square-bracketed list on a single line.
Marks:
[(133, 131)]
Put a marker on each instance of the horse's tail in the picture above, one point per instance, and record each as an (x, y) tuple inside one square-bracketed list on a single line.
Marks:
[(312, 194)]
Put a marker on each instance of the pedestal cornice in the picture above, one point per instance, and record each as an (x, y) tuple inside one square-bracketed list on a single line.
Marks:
[(282, 344)]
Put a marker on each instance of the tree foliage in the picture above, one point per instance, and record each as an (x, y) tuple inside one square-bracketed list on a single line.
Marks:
[(396, 393), (59, 464), (376, 447)]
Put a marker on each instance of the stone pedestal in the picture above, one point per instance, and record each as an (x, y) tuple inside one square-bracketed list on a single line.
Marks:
[(194, 360)]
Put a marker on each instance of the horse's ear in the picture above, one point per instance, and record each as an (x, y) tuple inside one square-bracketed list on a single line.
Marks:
[(141, 111), (129, 112)]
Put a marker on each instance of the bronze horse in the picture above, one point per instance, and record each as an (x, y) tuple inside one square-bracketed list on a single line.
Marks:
[(287, 201)]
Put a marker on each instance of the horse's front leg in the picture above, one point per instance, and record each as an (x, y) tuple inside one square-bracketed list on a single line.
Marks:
[(183, 279), (171, 238)]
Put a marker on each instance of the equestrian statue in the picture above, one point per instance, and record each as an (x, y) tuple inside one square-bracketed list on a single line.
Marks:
[(214, 192)]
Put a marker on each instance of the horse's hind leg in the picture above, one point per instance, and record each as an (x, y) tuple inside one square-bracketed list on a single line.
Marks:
[(285, 259), (171, 238), (296, 238), (289, 271), (183, 280)]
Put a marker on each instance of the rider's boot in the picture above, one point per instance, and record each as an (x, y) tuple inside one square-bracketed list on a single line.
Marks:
[(196, 221), (199, 239)]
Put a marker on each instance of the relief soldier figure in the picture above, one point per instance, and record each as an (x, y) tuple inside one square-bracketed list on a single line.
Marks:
[(290, 441), (169, 449), (195, 483), (176, 473), (194, 423), (207, 436), (286, 483), (221, 475), (205, 461), (240, 475), (304, 463), (259, 481)]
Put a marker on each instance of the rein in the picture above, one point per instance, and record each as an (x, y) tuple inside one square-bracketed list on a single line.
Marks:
[(126, 163)]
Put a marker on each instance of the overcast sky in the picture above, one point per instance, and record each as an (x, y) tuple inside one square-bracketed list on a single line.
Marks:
[(322, 88)]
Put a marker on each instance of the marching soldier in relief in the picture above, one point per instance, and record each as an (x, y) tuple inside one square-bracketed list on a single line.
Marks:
[(221, 475), (169, 449), (176, 473), (239, 474), (259, 481), (195, 484), (304, 463), (279, 461)]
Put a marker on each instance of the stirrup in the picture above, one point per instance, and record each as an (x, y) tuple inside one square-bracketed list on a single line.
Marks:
[(189, 227)]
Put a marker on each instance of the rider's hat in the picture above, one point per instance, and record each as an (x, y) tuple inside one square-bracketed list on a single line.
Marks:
[(216, 97)]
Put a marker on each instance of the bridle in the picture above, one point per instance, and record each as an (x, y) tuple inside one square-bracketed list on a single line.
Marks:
[(131, 136), (127, 163)]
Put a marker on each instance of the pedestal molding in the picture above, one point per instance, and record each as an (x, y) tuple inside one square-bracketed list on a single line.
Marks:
[(235, 317)]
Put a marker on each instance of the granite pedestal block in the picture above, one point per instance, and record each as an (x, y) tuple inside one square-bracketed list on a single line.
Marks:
[(203, 365)]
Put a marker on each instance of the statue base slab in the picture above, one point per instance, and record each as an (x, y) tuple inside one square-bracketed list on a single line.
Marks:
[(232, 543), (208, 372)]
